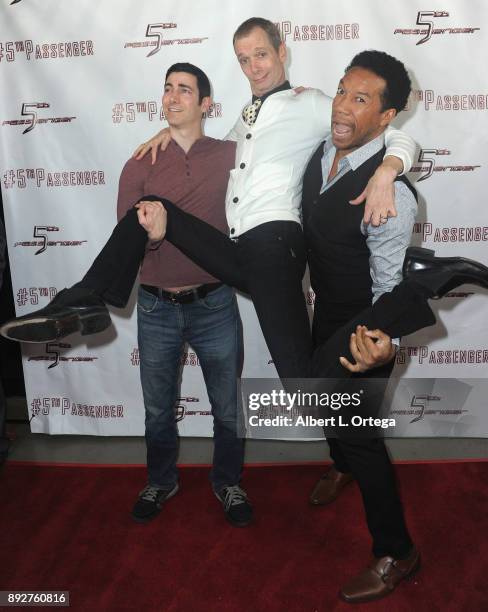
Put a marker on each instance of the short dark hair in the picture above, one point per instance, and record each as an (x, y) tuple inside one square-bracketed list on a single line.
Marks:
[(398, 84), (258, 22), (202, 79)]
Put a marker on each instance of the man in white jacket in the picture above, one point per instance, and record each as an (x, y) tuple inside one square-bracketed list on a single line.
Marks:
[(265, 254)]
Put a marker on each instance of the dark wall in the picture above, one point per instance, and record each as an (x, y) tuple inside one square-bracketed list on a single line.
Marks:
[(11, 372)]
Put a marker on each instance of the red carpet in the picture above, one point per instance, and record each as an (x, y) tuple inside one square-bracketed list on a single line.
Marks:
[(68, 528)]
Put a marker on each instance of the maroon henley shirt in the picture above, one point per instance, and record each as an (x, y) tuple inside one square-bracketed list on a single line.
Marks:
[(196, 182)]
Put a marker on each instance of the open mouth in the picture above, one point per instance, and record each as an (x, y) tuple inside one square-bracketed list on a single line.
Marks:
[(341, 130)]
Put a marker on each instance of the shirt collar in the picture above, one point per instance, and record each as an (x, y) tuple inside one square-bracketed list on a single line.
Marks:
[(198, 144), (358, 156), (283, 87)]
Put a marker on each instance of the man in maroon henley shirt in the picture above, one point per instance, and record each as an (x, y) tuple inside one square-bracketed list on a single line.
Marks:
[(179, 302)]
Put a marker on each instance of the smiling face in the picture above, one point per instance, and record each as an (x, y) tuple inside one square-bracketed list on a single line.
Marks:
[(357, 115), (181, 104), (263, 65)]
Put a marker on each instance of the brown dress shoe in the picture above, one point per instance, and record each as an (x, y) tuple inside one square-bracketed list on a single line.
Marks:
[(381, 578), (329, 486)]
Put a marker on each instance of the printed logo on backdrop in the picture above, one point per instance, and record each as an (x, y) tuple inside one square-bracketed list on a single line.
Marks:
[(182, 410), (42, 232), (431, 100), (64, 406), (291, 31), (157, 33), (421, 355), (13, 50), (134, 357), (21, 178), (29, 109), (152, 110), (431, 160), (53, 354), (29, 296), (188, 358), (434, 23), (420, 407), (453, 233)]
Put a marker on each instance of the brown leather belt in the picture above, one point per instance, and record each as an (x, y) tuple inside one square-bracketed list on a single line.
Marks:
[(182, 297)]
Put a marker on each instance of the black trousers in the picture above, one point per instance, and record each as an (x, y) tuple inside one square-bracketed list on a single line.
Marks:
[(267, 263), (368, 460)]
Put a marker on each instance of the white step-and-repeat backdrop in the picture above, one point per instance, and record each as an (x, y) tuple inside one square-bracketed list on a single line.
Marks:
[(80, 88)]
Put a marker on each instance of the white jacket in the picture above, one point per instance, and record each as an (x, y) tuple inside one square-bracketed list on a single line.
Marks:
[(272, 154)]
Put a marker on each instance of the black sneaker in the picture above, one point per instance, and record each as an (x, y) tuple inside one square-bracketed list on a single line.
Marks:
[(149, 503), (72, 310), (237, 508)]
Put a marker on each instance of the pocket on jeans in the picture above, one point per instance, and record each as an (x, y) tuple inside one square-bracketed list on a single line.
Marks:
[(219, 298), (146, 301)]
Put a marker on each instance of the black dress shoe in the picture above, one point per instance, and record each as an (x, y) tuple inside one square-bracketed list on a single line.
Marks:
[(439, 275), (72, 310)]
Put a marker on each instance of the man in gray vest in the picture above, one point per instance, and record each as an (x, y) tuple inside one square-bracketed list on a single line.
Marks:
[(351, 266)]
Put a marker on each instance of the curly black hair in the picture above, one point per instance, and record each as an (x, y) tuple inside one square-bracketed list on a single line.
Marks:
[(392, 71)]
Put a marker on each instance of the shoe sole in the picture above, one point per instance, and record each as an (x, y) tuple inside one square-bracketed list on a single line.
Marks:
[(149, 518), (43, 329)]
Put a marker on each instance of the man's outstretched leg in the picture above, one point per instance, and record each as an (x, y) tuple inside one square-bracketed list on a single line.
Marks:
[(82, 308), (111, 277), (405, 309)]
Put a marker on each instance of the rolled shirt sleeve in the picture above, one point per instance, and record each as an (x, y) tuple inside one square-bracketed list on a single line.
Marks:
[(387, 243)]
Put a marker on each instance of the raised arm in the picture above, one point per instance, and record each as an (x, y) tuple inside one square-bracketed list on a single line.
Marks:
[(379, 193)]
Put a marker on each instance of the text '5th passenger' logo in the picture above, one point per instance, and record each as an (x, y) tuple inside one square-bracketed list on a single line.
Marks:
[(428, 164), (155, 31), (41, 232), (424, 18), (29, 110), (53, 354)]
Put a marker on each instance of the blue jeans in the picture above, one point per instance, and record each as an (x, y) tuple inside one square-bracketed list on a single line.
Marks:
[(212, 327)]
